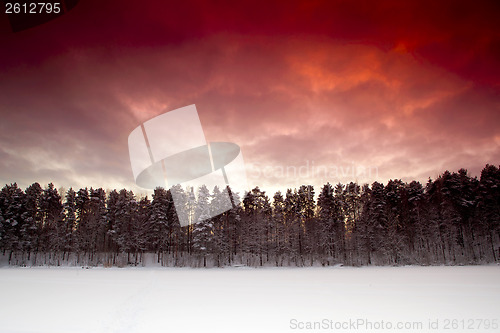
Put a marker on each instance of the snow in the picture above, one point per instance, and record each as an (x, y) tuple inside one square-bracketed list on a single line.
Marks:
[(69, 299)]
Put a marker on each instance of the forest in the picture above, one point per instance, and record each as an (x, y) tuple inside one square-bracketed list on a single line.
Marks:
[(452, 220)]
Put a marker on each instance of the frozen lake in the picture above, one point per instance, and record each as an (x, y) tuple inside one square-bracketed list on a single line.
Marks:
[(382, 299)]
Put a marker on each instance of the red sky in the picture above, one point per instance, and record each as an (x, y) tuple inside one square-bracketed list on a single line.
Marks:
[(309, 90)]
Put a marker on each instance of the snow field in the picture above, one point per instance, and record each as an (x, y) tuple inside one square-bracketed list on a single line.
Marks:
[(49, 299)]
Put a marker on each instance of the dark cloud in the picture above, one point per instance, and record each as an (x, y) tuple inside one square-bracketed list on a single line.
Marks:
[(409, 88)]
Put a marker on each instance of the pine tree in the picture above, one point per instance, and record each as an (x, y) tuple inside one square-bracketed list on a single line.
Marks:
[(340, 204), (159, 220), (351, 209), (233, 224), (292, 226), (203, 241), (364, 229), (308, 230), (52, 219), (437, 219), (96, 224), (126, 207), (12, 211), (81, 241), (70, 221), (488, 212), (326, 220), (417, 217), (33, 218), (141, 228), (278, 218), (396, 239), (111, 217), (221, 240)]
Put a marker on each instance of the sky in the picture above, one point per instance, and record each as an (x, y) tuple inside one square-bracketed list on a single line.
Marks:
[(312, 91)]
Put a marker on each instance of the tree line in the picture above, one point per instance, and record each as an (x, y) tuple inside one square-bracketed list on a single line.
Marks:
[(454, 219)]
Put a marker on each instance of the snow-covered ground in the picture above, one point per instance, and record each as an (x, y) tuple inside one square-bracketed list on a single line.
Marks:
[(341, 299)]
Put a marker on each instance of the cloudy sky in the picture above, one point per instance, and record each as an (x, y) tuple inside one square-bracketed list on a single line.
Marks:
[(312, 91)]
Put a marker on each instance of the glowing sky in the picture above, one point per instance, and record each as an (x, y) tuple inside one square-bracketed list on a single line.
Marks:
[(405, 89)]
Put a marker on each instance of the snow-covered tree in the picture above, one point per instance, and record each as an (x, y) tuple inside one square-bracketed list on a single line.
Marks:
[(203, 235), (12, 212), (331, 224), (33, 218), (70, 220)]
